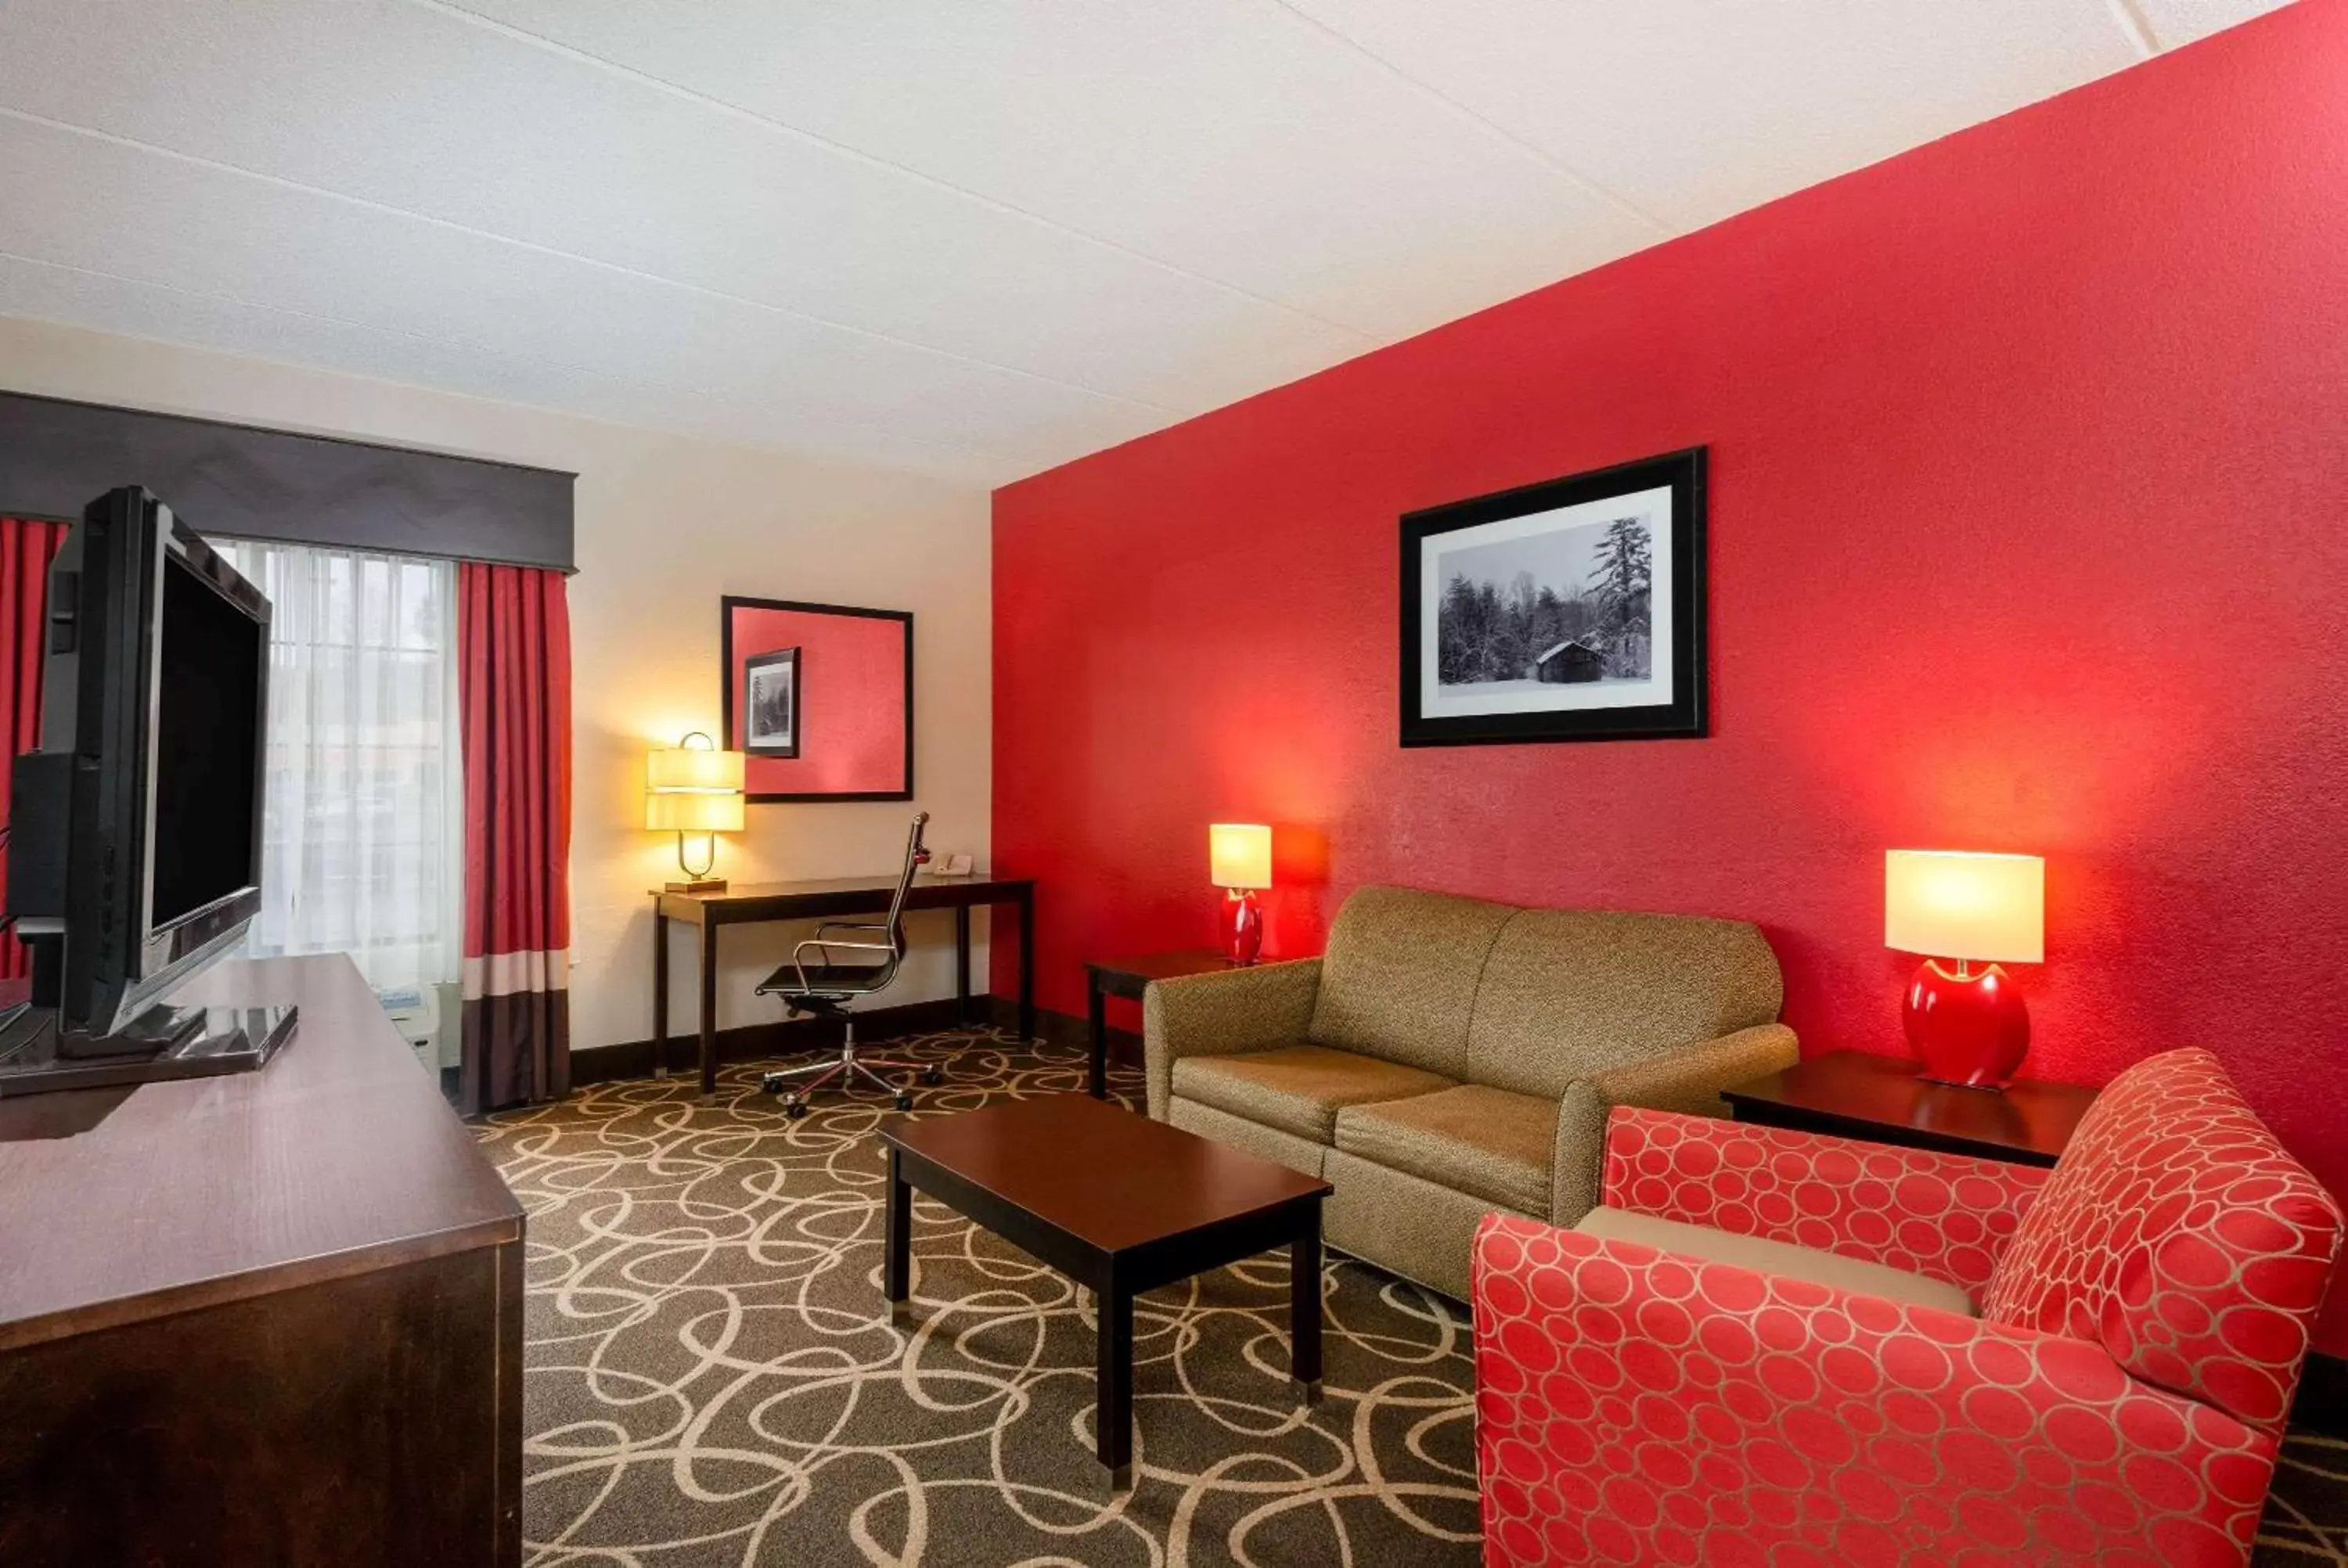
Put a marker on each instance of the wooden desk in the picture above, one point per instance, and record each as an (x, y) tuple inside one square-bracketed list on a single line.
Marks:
[(1129, 978), (1858, 1094), (821, 900), (269, 1317)]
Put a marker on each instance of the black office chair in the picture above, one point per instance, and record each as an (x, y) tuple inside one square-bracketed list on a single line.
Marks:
[(823, 990)]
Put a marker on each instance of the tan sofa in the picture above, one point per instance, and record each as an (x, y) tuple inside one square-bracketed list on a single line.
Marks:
[(1449, 1057)]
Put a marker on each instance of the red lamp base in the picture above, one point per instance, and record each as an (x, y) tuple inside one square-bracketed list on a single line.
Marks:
[(1241, 926), (1968, 1029)]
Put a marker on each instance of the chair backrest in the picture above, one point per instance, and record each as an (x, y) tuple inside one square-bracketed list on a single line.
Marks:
[(2179, 1235), (1569, 992), (916, 857), (1398, 982), (1529, 1000)]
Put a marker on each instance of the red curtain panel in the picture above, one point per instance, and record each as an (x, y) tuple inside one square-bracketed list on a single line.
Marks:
[(513, 650), (25, 551)]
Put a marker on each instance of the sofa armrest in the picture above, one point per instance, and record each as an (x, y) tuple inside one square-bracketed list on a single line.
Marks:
[(1947, 1216), (1635, 1406), (1259, 1007), (1689, 1079)]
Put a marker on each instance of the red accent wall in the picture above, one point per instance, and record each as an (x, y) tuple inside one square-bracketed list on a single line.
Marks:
[(2029, 532)]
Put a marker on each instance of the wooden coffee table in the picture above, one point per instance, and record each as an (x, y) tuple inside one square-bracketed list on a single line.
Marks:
[(1118, 1202)]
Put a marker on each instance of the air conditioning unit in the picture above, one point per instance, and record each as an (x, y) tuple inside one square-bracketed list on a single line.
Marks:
[(428, 1019)]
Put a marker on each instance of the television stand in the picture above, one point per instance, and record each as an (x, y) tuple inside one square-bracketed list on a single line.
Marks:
[(152, 1034), (37, 1057)]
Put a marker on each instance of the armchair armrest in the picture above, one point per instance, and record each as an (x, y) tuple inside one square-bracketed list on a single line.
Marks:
[(1634, 1406), (1946, 1216), (1689, 1079), (1259, 1008)]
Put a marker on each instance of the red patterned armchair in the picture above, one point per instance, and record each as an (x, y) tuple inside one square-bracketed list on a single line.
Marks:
[(1777, 1347)]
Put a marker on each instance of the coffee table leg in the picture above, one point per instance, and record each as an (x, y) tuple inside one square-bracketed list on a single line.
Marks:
[(896, 1265), (1096, 1040), (1304, 1305), (1113, 1415)]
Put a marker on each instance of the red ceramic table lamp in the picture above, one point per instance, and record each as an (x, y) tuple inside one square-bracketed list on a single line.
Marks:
[(1238, 854), (1968, 1027)]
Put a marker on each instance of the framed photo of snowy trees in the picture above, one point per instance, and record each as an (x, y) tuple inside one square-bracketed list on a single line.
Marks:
[(1569, 610)]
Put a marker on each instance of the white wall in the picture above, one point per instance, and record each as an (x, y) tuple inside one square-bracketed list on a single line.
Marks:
[(666, 525)]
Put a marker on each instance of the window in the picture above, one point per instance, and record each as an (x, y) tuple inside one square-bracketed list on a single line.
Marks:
[(364, 826)]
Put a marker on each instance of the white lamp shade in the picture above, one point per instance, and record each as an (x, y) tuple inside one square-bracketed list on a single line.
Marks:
[(1948, 903), (693, 768), (1238, 854), (693, 811), (693, 789)]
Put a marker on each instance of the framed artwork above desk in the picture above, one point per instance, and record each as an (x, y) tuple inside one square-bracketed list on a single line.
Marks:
[(819, 697)]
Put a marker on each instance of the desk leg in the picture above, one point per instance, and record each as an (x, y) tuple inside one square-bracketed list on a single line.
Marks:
[(961, 963), (897, 1244), (1097, 1017), (659, 992), (708, 1006), (1304, 1305), (1028, 967), (1113, 1406)]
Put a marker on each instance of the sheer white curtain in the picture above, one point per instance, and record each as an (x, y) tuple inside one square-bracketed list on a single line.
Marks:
[(364, 822)]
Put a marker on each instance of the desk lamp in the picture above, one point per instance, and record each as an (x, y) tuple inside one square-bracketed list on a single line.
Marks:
[(694, 791)]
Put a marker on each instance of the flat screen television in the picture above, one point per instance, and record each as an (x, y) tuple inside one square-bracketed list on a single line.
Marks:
[(135, 828)]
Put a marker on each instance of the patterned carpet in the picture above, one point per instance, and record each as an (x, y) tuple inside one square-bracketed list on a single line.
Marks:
[(711, 1378)]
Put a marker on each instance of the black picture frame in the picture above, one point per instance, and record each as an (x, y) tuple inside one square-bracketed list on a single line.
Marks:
[(1684, 714), (727, 606), (781, 658)]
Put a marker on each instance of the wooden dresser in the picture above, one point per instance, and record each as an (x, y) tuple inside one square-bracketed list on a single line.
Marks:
[(273, 1319)]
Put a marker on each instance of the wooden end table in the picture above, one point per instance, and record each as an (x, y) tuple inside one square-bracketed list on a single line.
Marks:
[(1129, 978), (1859, 1094), (1120, 1205)]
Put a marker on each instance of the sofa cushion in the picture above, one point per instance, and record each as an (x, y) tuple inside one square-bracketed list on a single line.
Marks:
[(1567, 992), (1398, 980), (1404, 1224), (1297, 1088), (2176, 1232), (1496, 1145), (1781, 1258)]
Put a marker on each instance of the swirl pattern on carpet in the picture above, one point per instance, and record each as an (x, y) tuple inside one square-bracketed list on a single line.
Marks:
[(711, 1376)]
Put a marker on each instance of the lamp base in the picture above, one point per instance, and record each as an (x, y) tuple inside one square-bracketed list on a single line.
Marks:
[(1968, 1029), (699, 884), (1241, 926)]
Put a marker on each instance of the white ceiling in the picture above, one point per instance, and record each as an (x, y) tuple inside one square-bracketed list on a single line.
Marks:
[(970, 237)]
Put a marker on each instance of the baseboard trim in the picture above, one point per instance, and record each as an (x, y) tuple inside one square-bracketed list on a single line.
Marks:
[(781, 1037), (775, 1037), (2323, 1402)]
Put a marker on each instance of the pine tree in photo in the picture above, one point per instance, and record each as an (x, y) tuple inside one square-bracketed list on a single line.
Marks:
[(1624, 582), (1623, 576), (1460, 633)]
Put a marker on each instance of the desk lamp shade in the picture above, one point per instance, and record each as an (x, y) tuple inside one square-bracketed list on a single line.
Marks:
[(1966, 1026), (1239, 861), (693, 792)]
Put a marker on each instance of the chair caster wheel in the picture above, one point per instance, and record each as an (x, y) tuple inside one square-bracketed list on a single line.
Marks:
[(794, 1107), (773, 1082), (904, 1101), (933, 1076)]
